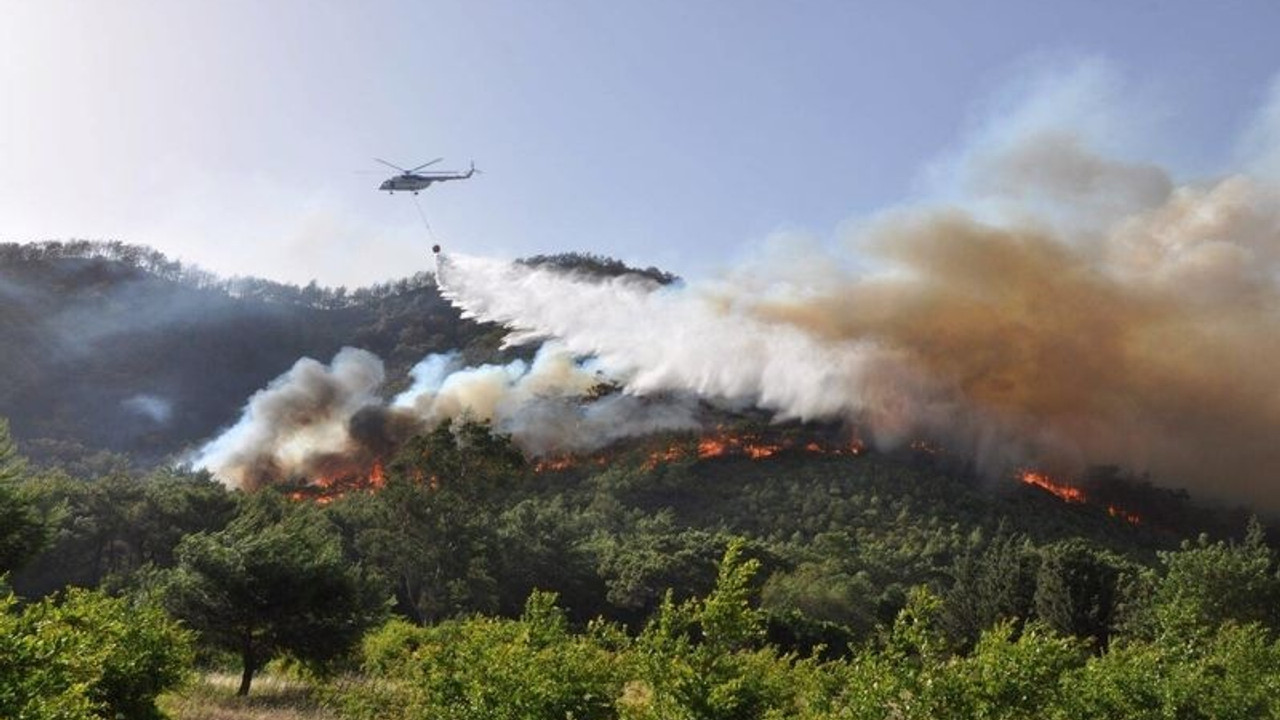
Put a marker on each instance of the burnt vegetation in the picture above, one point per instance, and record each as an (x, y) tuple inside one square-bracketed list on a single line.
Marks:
[(751, 571)]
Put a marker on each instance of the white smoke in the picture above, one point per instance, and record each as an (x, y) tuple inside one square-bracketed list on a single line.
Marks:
[(546, 406), (680, 340), (1067, 303), (321, 421), (1064, 307), (152, 407), (303, 414)]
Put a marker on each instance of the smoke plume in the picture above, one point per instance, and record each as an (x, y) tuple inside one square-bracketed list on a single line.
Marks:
[(319, 422), (1064, 306), (1072, 309)]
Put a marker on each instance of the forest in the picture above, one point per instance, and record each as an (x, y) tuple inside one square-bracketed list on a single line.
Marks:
[(475, 584), (679, 575)]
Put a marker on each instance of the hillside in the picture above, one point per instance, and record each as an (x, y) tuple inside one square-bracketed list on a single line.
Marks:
[(833, 565), (115, 347)]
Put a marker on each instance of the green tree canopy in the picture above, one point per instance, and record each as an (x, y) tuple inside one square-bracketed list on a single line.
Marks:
[(434, 528), (1077, 590), (85, 655), (274, 582), (1207, 584), (22, 531)]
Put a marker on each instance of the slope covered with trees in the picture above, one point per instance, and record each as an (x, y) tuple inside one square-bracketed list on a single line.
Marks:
[(115, 347), (789, 586), (649, 580)]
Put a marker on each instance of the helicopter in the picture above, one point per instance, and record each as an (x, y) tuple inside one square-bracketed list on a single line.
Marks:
[(413, 181)]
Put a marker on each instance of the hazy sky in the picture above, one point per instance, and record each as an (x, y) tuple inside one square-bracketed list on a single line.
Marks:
[(675, 133)]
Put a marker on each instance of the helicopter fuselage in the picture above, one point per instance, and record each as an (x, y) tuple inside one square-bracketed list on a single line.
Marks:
[(406, 182), (413, 182)]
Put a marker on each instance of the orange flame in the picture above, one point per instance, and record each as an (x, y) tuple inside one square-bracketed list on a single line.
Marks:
[(719, 444), (1066, 493), (329, 486), (553, 464), (1118, 512), (661, 457), (711, 448)]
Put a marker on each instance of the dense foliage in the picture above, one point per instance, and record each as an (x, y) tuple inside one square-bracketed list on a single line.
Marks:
[(273, 582), (22, 534), (706, 658), (85, 655), (801, 586), (644, 582)]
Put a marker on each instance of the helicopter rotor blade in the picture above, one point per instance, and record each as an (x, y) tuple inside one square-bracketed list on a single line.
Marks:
[(425, 164), (392, 165)]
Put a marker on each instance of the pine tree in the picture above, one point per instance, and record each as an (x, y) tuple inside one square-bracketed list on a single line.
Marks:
[(22, 533), (12, 465)]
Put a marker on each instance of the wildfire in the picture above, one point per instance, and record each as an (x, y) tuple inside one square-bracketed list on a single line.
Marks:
[(554, 464), (662, 457), (328, 487), (1071, 494), (1065, 493), (1118, 512), (723, 444), (716, 445)]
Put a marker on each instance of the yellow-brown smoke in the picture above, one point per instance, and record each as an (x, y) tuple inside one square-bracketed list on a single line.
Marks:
[(1153, 344), (1081, 311)]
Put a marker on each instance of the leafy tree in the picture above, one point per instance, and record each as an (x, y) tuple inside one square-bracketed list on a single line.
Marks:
[(824, 592), (703, 658), (137, 650), (545, 545), (22, 531), (1209, 583), (433, 529), (112, 526), (1011, 675), (44, 669), (273, 582), (1076, 590), (88, 655), (491, 669), (12, 464), (992, 584), (655, 555), (1230, 671)]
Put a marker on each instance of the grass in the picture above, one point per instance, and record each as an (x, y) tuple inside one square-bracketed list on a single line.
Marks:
[(213, 697)]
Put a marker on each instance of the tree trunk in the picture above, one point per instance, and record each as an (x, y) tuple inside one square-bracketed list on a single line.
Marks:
[(246, 654)]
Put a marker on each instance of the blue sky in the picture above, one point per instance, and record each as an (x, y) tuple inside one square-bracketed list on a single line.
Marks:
[(681, 134)]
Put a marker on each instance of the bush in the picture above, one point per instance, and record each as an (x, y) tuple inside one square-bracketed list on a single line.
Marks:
[(87, 655), (488, 668)]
